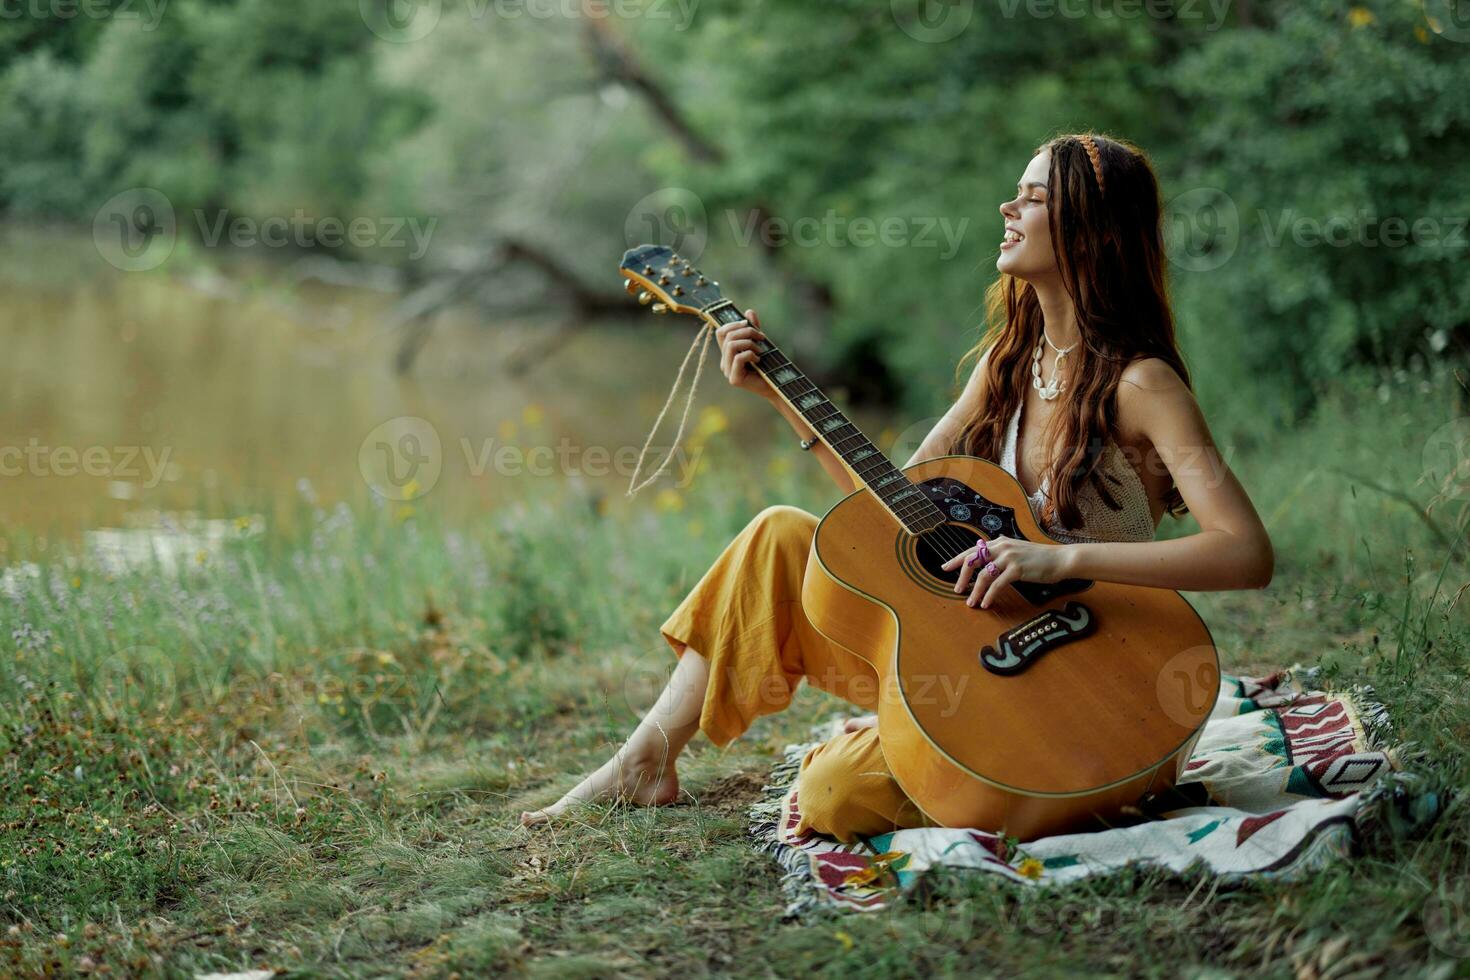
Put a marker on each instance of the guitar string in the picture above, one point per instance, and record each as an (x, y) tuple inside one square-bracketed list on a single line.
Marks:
[(944, 532)]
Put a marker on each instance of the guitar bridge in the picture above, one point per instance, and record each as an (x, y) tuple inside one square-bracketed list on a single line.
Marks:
[(1020, 646)]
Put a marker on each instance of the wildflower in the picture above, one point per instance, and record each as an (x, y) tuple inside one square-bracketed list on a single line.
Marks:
[(1030, 868), (532, 414), (669, 501), (1360, 16), (507, 430), (844, 939), (712, 419)]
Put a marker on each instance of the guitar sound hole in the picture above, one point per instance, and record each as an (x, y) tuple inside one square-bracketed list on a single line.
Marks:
[(934, 548)]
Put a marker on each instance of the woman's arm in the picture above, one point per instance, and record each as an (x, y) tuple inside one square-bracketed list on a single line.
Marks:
[(1231, 551), (830, 461), (937, 442)]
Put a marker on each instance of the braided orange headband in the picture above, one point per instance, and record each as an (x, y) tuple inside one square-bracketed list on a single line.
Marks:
[(1092, 154)]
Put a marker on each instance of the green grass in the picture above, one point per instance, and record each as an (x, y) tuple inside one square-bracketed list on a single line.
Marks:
[(308, 750)]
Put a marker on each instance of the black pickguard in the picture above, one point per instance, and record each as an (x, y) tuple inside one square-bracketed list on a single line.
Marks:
[(970, 508)]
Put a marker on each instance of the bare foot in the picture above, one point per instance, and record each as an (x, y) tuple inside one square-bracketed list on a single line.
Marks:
[(631, 778), (857, 724)]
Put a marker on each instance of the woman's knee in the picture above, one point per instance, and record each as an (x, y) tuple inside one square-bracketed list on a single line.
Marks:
[(785, 523)]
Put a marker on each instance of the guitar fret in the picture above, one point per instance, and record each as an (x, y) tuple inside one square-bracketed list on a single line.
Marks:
[(888, 483)]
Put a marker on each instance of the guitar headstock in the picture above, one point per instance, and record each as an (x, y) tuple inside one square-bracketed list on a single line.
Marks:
[(656, 272)]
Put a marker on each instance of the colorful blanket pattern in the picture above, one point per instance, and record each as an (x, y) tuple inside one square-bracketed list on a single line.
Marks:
[(1283, 779)]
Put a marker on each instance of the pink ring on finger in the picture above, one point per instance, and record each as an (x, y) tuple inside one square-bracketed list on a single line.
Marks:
[(983, 547), (991, 569), (974, 559)]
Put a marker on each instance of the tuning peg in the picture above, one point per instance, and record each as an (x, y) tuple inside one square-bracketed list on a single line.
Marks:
[(702, 281), (648, 270), (645, 297), (660, 308), (663, 280), (677, 290), (631, 287)]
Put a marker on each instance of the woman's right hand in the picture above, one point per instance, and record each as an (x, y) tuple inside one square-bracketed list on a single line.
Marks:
[(737, 351)]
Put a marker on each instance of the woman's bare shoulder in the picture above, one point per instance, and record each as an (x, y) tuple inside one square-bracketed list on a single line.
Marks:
[(1148, 388)]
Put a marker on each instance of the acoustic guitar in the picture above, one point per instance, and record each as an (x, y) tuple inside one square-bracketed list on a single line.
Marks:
[(1063, 707)]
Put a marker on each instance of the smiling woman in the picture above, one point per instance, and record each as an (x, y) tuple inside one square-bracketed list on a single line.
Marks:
[(1081, 270)]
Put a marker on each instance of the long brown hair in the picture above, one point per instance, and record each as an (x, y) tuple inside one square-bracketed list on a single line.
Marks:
[(1109, 250)]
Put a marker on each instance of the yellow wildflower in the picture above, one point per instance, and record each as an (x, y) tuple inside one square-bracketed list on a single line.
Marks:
[(532, 414), (1030, 868), (669, 501), (507, 430), (712, 419), (1360, 16), (844, 939)]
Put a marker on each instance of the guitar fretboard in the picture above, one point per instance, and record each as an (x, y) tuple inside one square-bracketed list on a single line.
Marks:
[(888, 483)]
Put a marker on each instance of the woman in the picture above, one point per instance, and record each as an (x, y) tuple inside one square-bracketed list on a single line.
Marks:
[(1080, 352)]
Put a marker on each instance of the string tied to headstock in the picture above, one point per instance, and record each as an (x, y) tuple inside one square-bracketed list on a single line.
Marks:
[(705, 332)]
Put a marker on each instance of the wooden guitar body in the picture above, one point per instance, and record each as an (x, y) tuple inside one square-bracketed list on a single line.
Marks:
[(1053, 711)]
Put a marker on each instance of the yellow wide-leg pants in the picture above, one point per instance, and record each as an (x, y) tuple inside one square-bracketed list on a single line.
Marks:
[(745, 617)]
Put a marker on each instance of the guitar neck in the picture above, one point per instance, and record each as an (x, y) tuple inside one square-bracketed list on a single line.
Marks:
[(893, 489)]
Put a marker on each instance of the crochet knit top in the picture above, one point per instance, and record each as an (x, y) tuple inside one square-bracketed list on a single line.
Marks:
[(1134, 522)]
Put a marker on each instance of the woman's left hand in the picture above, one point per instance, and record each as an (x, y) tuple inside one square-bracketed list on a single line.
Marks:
[(1014, 560)]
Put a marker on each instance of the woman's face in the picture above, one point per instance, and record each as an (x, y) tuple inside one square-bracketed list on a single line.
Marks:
[(1030, 257)]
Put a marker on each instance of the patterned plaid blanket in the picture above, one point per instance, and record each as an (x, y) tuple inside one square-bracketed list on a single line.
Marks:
[(1283, 779)]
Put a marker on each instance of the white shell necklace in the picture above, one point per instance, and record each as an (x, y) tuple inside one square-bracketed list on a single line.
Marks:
[(1052, 388)]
